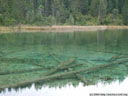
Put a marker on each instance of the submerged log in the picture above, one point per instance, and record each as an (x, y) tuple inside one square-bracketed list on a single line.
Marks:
[(100, 60), (30, 61), (37, 64), (71, 66), (65, 66), (106, 51), (54, 57), (60, 66), (81, 78), (119, 57), (114, 58), (18, 60), (45, 78), (21, 71)]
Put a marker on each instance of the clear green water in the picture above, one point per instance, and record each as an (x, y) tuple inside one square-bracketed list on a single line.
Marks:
[(27, 56)]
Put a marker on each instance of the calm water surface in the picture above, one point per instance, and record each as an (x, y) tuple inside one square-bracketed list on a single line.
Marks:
[(28, 56)]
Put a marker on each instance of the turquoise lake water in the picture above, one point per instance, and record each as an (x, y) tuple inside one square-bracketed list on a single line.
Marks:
[(28, 56)]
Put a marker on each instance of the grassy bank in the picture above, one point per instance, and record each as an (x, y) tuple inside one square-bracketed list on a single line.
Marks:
[(24, 28)]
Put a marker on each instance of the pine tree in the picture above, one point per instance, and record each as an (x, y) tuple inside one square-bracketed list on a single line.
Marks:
[(70, 21), (125, 13), (83, 6), (102, 11)]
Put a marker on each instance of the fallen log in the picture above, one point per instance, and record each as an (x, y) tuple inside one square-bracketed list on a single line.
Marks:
[(118, 57), (64, 67), (106, 51), (61, 65), (67, 67), (37, 64), (100, 60), (114, 58), (81, 78), (18, 60), (34, 61), (54, 57), (71, 66), (21, 71), (83, 59), (65, 56), (45, 78)]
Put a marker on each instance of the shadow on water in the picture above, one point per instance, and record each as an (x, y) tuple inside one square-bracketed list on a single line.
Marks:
[(57, 59)]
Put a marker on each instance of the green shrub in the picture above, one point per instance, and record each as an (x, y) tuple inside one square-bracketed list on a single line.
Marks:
[(9, 21)]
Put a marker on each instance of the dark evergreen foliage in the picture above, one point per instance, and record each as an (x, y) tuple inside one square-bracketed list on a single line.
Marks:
[(59, 12)]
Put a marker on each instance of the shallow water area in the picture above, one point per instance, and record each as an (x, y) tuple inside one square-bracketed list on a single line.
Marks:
[(54, 60)]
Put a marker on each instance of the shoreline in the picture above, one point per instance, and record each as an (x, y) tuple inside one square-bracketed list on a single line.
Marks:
[(56, 28)]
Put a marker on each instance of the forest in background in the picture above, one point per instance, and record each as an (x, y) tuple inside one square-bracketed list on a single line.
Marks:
[(63, 12)]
